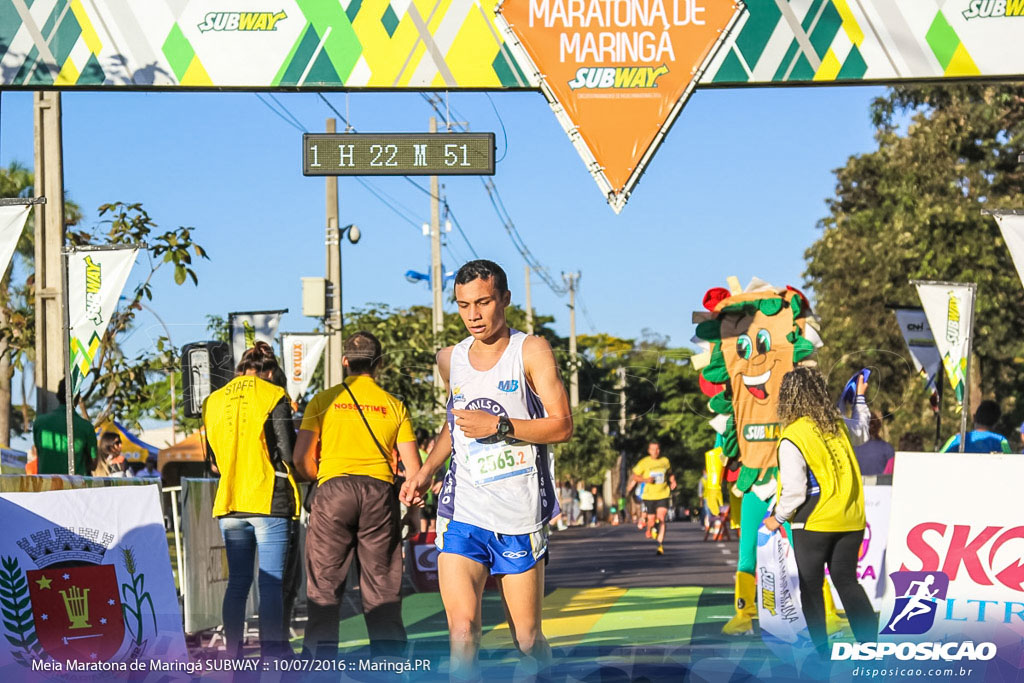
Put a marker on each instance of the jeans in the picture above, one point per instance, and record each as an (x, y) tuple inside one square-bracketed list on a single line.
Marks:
[(242, 536)]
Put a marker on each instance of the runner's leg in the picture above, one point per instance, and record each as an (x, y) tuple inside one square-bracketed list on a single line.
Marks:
[(663, 521), (522, 595), (461, 581)]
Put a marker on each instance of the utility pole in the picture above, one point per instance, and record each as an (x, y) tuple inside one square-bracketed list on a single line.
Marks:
[(333, 323), (436, 277), (571, 279), (622, 402), (529, 304), (49, 240)]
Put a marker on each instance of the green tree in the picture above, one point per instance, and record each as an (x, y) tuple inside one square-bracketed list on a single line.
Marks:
[(17, 300), (911, 209), (407, 339), (663, 402), (119, 385)]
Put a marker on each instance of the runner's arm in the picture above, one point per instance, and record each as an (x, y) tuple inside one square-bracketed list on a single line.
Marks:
[(542, 375)]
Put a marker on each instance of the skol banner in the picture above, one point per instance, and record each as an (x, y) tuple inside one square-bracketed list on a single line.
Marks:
[(86, 581), (12, 222), (301, 354), (96, 277), (248, 327), (949, 307), (955, 571), (617, 73), (920, 342), (1012, 227)]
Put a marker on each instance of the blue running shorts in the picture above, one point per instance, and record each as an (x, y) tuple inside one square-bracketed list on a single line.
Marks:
[(501, 553)]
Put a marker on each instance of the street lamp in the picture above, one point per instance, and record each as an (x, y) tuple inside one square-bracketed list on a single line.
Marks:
[(352, 232), (415, 276)]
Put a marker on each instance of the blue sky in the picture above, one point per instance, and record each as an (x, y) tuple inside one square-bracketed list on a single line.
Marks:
[(737, 189)]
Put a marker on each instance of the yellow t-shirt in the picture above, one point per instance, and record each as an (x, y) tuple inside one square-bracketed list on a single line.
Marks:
[(661, 470), (346, 446)]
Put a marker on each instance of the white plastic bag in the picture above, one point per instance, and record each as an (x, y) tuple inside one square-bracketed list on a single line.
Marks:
[(778, 595)]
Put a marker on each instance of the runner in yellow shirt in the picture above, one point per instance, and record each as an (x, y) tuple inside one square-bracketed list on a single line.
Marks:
[(656, 473)]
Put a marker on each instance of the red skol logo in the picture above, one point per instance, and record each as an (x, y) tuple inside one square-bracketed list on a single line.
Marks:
[(948, 548)]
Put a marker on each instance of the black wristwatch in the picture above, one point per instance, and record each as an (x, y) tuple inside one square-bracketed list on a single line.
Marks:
[(504, 427)]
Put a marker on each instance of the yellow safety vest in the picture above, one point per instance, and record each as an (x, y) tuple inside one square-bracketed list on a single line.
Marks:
[(234, 417), (830, 458)]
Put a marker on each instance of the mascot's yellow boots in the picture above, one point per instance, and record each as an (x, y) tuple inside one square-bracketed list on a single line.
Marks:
[(833, 622), (746, 606)]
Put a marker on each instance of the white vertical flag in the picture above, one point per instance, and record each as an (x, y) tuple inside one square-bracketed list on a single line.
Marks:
[(12, 222), (1012, 227), (920, 341), (249, 327), (96, 278), (301, 354), (949, 307)]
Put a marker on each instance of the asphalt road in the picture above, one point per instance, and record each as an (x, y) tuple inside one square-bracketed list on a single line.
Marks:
[(591, 557)]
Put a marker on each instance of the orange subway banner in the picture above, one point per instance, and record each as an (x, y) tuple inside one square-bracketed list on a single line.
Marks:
[(617, 72)]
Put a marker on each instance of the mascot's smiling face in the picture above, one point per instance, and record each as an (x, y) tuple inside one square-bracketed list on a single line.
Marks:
[(757, 354)]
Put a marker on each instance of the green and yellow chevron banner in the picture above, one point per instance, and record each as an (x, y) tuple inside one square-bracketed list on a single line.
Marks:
[(455, 44), (96, 277)]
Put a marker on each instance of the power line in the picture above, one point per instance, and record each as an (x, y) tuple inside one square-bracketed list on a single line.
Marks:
[(284, 118), (586, 312), (448, 211), (373, 191), (348, 126), (408, 180), (505, 218), (286, 110)]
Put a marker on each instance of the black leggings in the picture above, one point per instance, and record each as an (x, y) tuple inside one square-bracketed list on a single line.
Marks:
[(839, 550)]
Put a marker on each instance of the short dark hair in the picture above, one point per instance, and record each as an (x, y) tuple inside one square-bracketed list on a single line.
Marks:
[(484, 270), (107, 440), (363, 351), (987, 414)]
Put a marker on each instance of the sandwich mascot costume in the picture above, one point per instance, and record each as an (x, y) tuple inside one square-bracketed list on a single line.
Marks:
[(751, 338)]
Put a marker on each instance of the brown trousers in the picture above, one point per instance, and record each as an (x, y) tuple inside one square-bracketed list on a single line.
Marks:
[(354, 514)]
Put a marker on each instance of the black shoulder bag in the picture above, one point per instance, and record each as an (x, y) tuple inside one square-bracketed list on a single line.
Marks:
[(387, 459)]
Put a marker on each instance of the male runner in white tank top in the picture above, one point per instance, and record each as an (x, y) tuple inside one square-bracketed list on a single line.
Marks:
[(506, 401)]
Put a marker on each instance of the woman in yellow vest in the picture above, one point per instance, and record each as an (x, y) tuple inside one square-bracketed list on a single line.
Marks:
[(822, 496), (249, 433)]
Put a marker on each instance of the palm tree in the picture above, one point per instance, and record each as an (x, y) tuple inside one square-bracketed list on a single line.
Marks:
[(17, 296)]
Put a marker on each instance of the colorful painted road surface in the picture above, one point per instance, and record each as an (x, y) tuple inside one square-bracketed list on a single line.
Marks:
[(642, 615)]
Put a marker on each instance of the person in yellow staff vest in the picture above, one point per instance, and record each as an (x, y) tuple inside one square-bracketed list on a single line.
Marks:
[(349, 437), (822, 498), (250, 437), (656, 473)]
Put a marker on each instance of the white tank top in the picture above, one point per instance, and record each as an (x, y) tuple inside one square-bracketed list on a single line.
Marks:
[(504, 487)]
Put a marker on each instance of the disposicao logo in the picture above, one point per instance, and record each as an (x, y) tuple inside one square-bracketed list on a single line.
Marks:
[(917, 594), (619, 77), (994, 9), (241, 21), (947, 652)]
